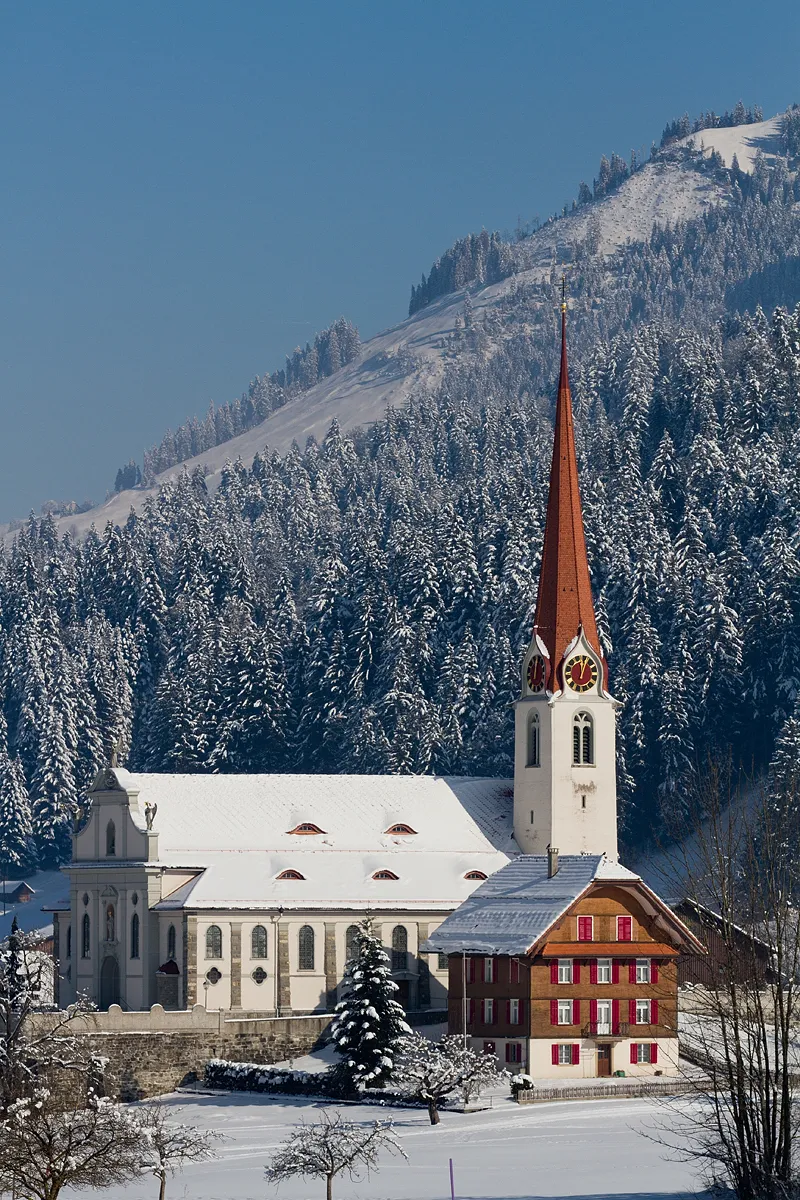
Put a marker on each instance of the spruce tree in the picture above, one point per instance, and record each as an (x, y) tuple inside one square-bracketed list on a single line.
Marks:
[(368, 1022)]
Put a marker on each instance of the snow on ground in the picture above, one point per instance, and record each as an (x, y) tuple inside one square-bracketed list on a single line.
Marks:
[(742, 140), (574, 1149), (50, 887)]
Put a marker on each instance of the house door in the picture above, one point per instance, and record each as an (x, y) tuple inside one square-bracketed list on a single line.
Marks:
[(109, 982), (603, 1060)]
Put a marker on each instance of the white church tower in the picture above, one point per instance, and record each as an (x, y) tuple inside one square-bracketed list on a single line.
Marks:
[(565, 792)]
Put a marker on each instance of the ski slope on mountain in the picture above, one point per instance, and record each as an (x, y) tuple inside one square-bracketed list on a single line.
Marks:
[(410, 357)]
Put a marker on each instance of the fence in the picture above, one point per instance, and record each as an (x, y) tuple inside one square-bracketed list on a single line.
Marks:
[(633, 1088)]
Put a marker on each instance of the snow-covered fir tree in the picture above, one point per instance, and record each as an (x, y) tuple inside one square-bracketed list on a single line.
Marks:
[(368, 1022)]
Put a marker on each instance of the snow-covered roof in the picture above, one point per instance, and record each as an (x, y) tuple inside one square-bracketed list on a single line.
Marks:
[(510, 911), (238, 830)]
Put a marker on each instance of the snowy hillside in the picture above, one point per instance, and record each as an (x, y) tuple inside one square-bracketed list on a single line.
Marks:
[(410, 357)]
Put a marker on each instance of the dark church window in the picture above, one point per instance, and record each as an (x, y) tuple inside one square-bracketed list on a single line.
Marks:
[(582, 740), (399, 948), (171, 943), (258, 942), (111, 839), (86, 932), (135, 935), (305, 947), (213, 942), (534, 733)]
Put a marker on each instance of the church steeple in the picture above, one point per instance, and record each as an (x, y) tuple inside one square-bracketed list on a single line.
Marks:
[(565, 792), (564, 603)]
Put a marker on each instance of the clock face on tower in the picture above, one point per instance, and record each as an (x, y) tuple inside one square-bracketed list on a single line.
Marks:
[(535, 673), (580, 673)]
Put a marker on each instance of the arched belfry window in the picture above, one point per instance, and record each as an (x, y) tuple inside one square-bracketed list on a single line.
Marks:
[(582, 739), (213, 942), (86, 932), (111, 840), (135, 935), (258, 942), (534, 740), (305, 948)]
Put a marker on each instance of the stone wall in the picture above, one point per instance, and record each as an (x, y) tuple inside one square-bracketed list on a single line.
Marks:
[(149, 1053)]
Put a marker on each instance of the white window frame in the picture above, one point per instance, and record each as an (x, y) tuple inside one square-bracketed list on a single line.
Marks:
[(488, 970), (488, 1011), (644, 1052), (584, 917), (604, 969), (605, 1032), (647, 1011), (643, 970), (625, 917), (565, 1054), (565, 970), (565, 1006), (513, 1012)]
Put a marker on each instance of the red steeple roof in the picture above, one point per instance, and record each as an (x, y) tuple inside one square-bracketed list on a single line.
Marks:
[(564, 603)]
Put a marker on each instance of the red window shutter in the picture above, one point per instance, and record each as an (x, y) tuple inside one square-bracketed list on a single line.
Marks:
[(632, 971), (470, 970), (584, 929), (554, 1054), (592, 970), (593, 1011), (653, 1012), (634, 1052), (508, 1052), (508, 1012), (624, 929), (654, 1052), (654, 970), (472, 1011), (576, 1054), (576, 971), (615, 1016), (615, 970), (483, 970), (576, 1012), (553, 1012), (554, 971), (632, 1012)]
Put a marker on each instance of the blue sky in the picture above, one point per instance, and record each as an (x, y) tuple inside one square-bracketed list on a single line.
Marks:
[(188, 191)]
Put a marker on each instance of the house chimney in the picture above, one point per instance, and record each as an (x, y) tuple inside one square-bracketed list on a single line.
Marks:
[(552, 861)]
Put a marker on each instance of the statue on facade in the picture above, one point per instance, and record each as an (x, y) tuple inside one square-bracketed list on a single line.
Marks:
[(110, 924), (150, 811)]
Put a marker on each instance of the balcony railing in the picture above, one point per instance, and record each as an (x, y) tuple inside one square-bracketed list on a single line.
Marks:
[(606, 1029)]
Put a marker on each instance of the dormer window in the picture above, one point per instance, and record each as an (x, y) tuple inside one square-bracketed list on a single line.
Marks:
[(384, 874), (111, 840), (306, 827), (290, 875), (476, 875), (400, 829)]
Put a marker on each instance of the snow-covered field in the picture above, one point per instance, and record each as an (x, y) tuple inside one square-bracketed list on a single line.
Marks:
[(572, 1149)]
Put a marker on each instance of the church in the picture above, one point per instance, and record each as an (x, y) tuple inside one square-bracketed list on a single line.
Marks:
[(242, 892)]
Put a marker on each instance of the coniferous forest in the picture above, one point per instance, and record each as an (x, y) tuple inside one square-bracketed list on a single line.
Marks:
[(361, 605)]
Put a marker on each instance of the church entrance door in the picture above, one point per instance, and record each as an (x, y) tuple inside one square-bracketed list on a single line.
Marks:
[(403, 992), (109, 982), (603, 1060)]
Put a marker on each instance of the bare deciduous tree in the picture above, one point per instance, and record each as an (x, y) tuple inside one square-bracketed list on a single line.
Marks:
[(171, 1144), (331, 1147), (741, 1019), (44, 1148), (432, 1071)]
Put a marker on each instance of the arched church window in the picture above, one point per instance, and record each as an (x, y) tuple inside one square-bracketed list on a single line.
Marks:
[(213, 942), (69, 941), (171, 943), (86, 936), (399, 948), (534, 738), (582, 740), (258, 942), (305, 948), (350, 942), (111, 840), (135, 935)]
